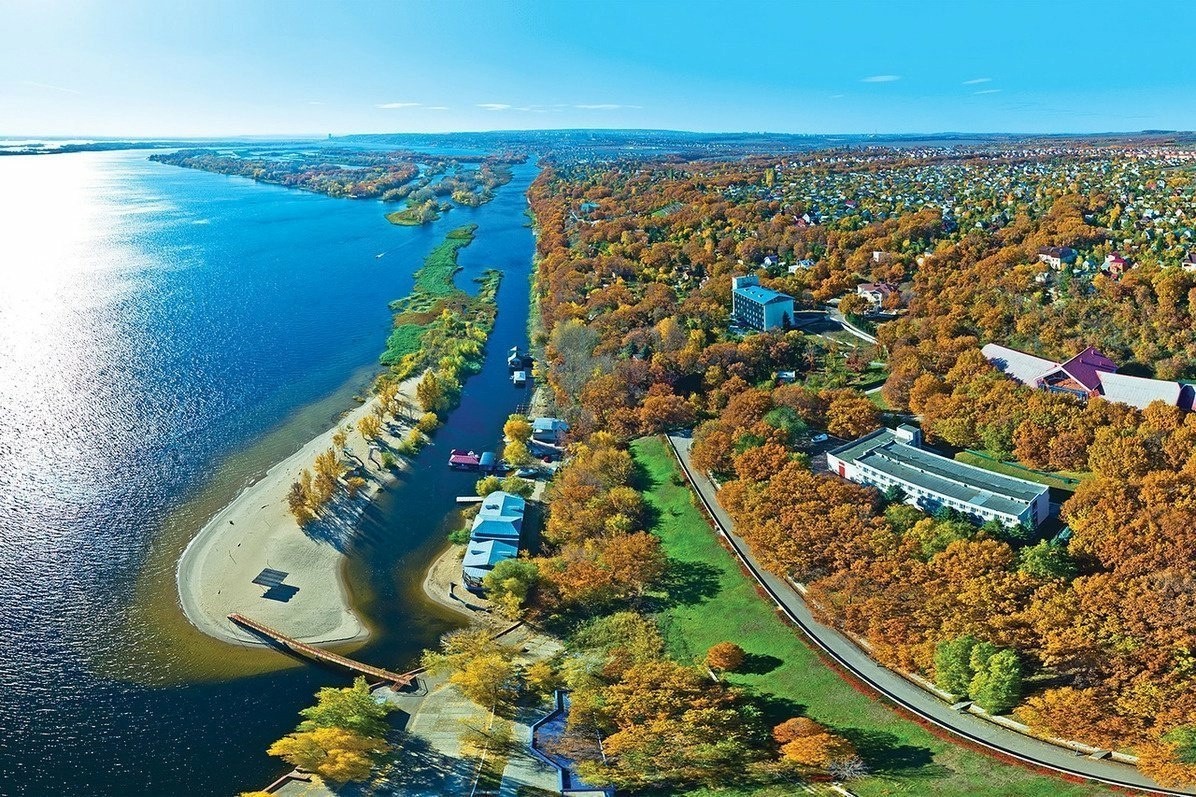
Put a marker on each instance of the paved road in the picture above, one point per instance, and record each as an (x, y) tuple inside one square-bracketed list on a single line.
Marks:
[(833, 313), (898, 689)]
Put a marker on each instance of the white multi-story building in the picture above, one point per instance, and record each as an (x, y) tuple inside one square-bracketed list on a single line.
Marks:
[(758, 307), (895, 458)]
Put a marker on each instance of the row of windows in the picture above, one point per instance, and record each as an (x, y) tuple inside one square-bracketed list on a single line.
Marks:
[(884, 482)]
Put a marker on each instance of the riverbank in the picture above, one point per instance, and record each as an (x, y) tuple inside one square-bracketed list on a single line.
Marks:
[(442, 585), (256, 531)]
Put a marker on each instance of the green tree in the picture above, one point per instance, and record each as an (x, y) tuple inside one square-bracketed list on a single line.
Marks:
[(997, 687), (509, 584), (953, 664), (487, 485), (517, 486), (1047, 561), (353, 708)]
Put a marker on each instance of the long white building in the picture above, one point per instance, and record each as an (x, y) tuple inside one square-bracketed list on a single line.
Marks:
[(894, 458)]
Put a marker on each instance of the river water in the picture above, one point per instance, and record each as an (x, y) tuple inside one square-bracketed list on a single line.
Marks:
[(165, 336)]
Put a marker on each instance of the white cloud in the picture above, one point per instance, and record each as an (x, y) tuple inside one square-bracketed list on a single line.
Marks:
[(494, 106), (37, 85), (988, 91), (976, 80), (604, 106), (438, 107), (394, 105), (880, 78)]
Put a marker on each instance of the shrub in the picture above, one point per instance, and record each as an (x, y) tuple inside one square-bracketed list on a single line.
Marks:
[(725, 657)]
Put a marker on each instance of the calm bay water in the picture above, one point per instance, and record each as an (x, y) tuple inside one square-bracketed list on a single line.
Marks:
[(163, 331)]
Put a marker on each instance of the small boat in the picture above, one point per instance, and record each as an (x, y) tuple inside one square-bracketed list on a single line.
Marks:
[(379, 254), (519, 378), (460, 459)]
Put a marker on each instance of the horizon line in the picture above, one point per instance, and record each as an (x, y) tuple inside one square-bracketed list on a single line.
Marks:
[(326, 136)]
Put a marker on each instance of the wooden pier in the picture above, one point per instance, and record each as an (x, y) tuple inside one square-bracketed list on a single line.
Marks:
[(319, 654)]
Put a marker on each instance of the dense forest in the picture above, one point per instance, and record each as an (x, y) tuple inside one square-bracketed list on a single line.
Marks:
[(1089, 636), (426, 183)]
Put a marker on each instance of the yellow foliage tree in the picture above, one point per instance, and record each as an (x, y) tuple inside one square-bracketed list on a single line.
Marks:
[(818, 750), (370, 427), (333, 753)]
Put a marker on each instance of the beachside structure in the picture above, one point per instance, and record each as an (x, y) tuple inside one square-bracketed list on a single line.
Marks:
[(493, 538), (480, 558), (1086, 375), (890, 458), (500, 518), (549, 430), (755, 306)]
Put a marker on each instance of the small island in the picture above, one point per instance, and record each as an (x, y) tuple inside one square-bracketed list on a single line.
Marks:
[(430, 186)]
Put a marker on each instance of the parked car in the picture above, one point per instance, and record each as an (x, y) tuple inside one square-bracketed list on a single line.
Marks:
[(528, 473), (820, 438)]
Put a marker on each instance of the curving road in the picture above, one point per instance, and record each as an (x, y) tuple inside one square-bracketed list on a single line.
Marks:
[(896, 688)]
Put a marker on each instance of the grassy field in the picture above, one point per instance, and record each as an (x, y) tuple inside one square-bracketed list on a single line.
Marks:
[(710, 600), (1063, 480)]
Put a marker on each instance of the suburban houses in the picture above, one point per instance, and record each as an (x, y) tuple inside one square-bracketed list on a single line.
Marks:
[(757, 307), (890, 458), (493, 537), (549, 430), (1056, 256), (1086, 375), (875, 293)]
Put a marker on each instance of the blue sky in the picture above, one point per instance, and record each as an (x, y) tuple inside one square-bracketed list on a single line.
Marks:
[(215, 67)]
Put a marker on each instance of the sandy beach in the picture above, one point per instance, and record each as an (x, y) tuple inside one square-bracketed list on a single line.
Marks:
[(257, 531)]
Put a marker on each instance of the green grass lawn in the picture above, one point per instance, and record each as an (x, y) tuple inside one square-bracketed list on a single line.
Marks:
[(1062, 480), (435, 277), (710, 600), (878, 399)]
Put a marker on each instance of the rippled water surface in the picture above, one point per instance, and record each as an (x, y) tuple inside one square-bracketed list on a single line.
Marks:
[(165, 335)]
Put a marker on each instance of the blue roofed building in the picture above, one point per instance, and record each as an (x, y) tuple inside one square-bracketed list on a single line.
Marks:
[(500, 518), (493, 537), (481, 557), (549, 430), (757, 307)]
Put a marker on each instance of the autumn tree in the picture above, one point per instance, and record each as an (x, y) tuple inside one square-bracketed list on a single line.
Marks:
[(299, 499), (725, 657), (336, 754), (517, 428), (850, 415), (370, 427), (517, 454)]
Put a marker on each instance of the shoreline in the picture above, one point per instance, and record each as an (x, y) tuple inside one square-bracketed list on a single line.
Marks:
[(256, 531), (445, 570)]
